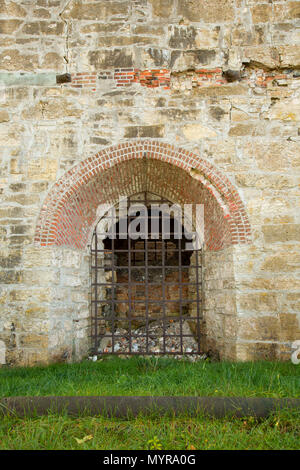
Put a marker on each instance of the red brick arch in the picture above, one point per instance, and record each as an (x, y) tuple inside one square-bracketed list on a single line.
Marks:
[(69, 211)]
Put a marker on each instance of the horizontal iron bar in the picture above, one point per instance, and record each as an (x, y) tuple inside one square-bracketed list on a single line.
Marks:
[(140, 250), (167, 318), (150, 353), (141, 336), (143, 267), (139, 284), (177, 301)]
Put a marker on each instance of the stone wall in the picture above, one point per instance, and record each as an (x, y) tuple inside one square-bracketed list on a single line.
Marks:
[(217, 79), (220, 312)]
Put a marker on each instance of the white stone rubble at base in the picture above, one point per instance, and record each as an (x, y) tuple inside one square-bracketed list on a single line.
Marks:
[(155, 341)]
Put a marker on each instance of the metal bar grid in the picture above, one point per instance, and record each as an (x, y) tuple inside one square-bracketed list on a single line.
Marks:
[(115, 268)]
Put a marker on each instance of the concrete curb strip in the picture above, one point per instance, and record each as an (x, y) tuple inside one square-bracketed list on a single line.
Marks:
[(132, 406)]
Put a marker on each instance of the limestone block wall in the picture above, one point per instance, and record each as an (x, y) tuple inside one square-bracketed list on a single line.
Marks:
[(218, 79), (220, 309)]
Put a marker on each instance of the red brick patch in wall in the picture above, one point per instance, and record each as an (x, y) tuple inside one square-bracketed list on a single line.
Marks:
[(68, 214), (207, 77), (262, 78), (149, 78), (124, 77), (153, 78), (84, 80)]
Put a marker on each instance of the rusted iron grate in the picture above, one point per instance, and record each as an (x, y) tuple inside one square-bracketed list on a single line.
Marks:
[(138, 283)]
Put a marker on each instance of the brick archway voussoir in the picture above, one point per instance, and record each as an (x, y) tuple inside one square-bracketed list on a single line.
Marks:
[(51, 224)]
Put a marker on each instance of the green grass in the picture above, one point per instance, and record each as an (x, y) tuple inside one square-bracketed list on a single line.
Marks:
[(280, 431), (154, 376)]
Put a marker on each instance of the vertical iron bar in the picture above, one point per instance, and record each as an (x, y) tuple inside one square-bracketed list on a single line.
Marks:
[(113, 294), (146, 278), (197, 288), (129, 285), (163, 294), (180, 292)]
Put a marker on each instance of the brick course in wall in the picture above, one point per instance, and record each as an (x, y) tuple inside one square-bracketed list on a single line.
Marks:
[(153, 78), (84, 80)]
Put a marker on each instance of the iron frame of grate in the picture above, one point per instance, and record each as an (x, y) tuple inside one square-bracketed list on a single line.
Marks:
[(98, 264)]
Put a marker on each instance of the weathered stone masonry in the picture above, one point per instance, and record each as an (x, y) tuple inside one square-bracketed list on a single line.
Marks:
[(210, 91)]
